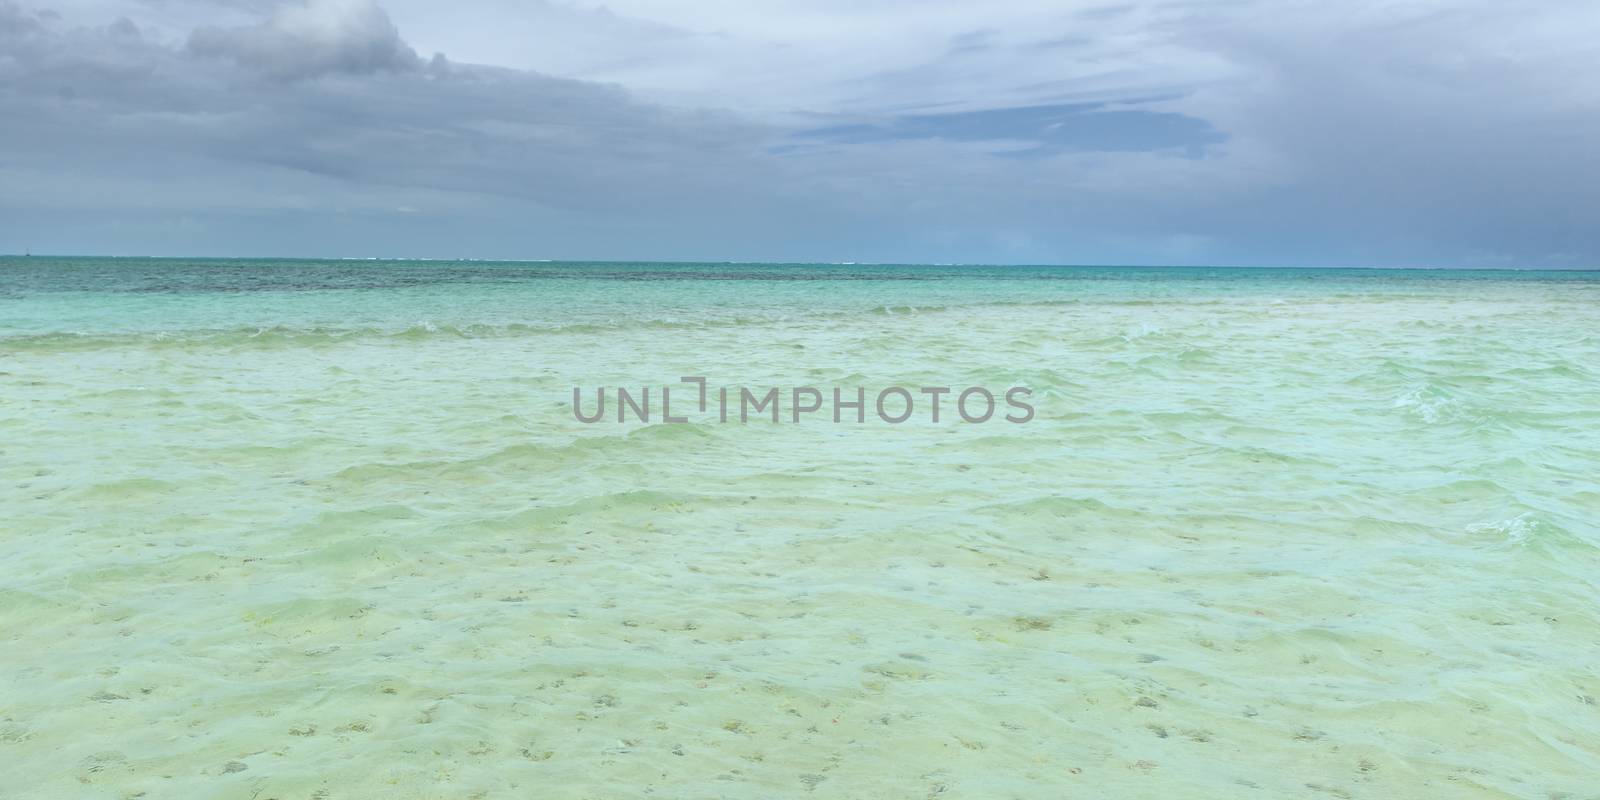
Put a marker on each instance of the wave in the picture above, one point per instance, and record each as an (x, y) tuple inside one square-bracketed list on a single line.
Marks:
[(285, 336), (1432, 404), (311, 335), (1528, 530), (530, 456)]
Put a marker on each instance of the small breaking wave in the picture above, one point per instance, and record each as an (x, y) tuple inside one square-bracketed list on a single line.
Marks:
[(1517, 530), (1527, 530), (1432, 404)]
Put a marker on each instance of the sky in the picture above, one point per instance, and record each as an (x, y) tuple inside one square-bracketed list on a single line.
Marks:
[(1446, 133)]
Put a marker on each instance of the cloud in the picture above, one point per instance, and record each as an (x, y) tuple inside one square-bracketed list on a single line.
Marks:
[(16, 22), (1432, 132), (111, 142), (1037, 131), (317, 38)]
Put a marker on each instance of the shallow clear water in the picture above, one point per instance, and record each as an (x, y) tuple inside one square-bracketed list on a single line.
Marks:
[(304, 529)]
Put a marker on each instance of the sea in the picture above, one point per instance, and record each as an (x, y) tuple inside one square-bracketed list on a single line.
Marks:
[(329, 529)]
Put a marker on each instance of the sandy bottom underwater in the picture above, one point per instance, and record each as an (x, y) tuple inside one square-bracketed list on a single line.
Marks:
[(1336, 547)]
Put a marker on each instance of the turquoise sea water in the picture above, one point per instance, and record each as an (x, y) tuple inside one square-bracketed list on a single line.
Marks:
[(328, 529)]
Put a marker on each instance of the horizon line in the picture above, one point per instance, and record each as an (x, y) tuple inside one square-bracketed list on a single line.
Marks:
[(802, 263)]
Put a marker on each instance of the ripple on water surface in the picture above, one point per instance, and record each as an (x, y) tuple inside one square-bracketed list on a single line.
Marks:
[(273, 535)]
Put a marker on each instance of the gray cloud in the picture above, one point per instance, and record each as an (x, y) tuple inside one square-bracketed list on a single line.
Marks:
[(1182, 133), (123, 143), (1038, 131), (352, 36), (15, 22)]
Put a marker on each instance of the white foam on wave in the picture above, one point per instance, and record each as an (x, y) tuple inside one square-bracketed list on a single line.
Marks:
[(1140, 331), (1431, 404), (1517, 530)]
